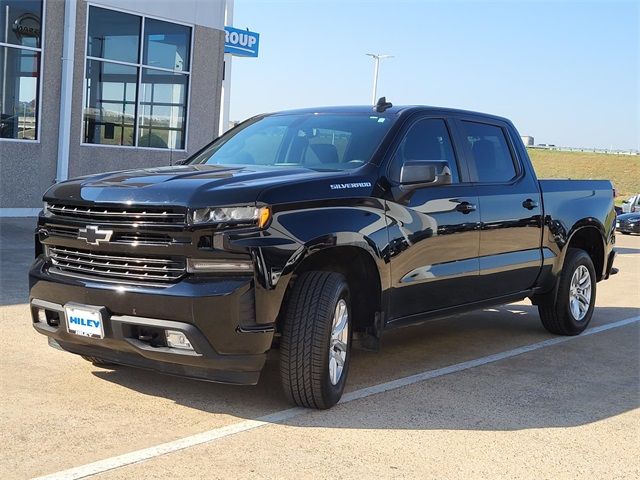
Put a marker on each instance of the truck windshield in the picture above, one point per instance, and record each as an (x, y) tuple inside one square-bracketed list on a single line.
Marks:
[(315, 141)]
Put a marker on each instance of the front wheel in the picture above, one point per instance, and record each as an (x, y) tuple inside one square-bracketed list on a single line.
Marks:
[(571, 310), (316, 340)]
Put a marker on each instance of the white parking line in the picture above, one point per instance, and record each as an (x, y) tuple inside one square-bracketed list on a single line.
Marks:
[(283, 415)]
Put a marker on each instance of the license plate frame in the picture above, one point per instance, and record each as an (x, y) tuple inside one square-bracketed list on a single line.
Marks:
[(85, 320)]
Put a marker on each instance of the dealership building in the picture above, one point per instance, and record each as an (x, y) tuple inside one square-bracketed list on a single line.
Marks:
[(100, 85)]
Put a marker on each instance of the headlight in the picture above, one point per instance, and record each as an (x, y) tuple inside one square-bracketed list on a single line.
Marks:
[(231, 216)]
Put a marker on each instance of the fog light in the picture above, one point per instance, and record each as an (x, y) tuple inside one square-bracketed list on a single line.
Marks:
[(177, 339), (196, 265), (42, 315)]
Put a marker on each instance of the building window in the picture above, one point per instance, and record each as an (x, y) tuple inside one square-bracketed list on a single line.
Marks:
[(109, 116), (136, 81), (20, 54)]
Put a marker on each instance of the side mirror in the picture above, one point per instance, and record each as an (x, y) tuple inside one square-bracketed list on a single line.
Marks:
[(424, 173)]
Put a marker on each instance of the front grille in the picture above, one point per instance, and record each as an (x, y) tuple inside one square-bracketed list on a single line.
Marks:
[(140, 238), (115, 267), (63, 231), (122, 215), (133, 237)]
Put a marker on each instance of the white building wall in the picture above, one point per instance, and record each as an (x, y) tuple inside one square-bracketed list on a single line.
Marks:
[(527, 140)]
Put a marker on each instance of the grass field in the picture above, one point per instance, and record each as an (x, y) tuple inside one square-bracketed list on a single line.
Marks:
[(622, 170)]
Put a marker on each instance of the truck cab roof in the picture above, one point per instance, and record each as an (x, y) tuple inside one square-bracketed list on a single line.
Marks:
[(396, 110)]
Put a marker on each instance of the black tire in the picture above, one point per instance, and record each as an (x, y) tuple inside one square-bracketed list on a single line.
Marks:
[(306, 336), (98, 362), (555, 313), (626, 233)]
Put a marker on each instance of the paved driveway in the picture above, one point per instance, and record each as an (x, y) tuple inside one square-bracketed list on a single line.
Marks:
[(483, 395)]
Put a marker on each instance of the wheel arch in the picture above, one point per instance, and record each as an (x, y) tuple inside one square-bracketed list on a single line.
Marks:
[(590, 237), (587, 235), (358, 263)]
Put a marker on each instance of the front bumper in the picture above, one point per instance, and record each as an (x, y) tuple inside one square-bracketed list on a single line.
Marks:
[(217, 315)]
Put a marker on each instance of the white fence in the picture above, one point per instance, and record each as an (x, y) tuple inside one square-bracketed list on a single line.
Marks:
[(590, 150)]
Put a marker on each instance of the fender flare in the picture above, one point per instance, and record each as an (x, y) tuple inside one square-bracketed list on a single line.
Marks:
[(581, 225), (591, 223), (335, 240)]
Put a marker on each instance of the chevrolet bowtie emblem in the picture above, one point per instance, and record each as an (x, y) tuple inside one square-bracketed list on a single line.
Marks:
[(93, 235)]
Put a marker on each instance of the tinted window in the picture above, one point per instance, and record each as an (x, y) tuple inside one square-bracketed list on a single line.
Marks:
[(143, 103), (490, 152), (327, 145), (19, 74), (427, 139), (20, 22), (20, 35), (113, 35), (163, 105), (109, 111), (166, 45), (319, 142)]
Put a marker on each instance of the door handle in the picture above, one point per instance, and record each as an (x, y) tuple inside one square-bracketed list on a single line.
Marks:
[(465, 207), (530, 204)]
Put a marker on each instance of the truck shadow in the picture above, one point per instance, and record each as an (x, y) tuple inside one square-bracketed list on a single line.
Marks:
[(571, 384)]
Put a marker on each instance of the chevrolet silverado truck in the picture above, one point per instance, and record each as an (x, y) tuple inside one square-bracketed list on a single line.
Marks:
[(313, 231)]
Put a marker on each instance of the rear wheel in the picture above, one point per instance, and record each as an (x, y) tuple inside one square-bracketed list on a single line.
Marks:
[(571, 310), (316, 340)]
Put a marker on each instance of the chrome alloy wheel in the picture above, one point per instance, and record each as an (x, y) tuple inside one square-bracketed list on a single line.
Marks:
[(338, 343), (580, 293)]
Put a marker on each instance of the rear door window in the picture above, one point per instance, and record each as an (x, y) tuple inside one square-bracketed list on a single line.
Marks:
[(490, 152)]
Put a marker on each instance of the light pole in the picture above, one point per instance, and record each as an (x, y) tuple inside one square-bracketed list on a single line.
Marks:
[(376, 67)]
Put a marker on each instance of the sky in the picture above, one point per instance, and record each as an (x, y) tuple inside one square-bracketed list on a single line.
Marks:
[(566, 73)]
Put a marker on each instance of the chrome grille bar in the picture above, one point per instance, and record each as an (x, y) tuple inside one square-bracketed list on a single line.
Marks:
[(116, 266), (117, 281), (126, 214), (135, 237), (70, 259), (88, 254)]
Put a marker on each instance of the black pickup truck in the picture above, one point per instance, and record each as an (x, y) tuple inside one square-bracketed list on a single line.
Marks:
[(313, 231)]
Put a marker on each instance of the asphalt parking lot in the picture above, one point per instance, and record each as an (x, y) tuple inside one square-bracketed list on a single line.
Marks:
[(493, 395)]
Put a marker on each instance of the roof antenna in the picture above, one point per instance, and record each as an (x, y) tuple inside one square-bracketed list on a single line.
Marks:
[(382, 105)]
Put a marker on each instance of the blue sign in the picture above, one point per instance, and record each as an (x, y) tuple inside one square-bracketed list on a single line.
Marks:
[(242, 43)]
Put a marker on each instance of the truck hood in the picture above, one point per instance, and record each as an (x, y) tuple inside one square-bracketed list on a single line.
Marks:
[(186, 185)]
